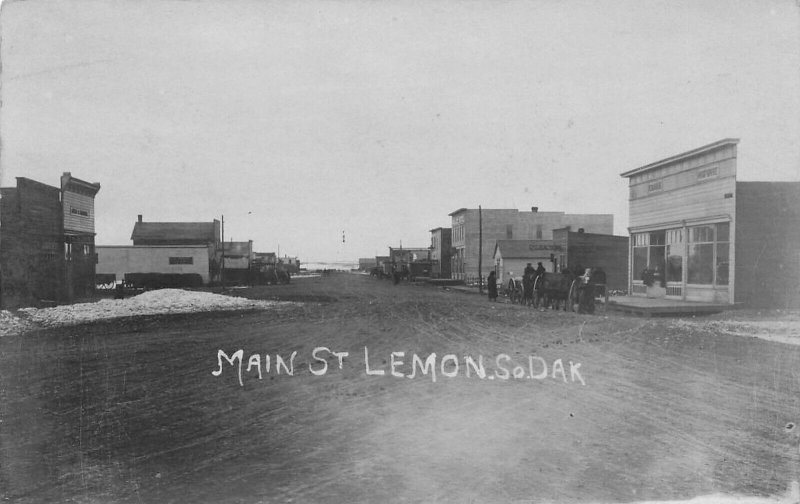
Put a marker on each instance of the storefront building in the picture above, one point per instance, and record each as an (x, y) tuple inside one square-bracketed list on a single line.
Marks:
[(682, 224), (696, 234)]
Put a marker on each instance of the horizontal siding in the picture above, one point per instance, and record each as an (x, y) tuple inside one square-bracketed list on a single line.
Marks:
[(724, 153), (74, 206), (698, 201), (702, 174), (133, 259)]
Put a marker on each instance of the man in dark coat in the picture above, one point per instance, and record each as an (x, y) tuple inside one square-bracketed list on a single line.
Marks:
[(528, 270), (491, 283), (527, 287)]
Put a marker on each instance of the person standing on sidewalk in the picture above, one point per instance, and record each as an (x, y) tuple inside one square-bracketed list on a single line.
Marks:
[(492, 284)]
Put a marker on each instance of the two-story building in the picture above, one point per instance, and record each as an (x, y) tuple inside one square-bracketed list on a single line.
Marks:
[(48, 242), (441, 243), (470, 225), (707, 237)]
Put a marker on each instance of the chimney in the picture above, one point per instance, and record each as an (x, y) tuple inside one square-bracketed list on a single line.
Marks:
[(534, 209), (140, 217)]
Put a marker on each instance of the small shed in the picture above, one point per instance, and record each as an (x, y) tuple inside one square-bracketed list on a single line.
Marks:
[(512, 256)]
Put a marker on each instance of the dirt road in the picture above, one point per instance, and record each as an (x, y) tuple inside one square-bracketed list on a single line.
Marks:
[(516, 405)]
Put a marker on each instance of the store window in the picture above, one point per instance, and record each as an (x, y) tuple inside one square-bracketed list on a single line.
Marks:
[(723, 253), (657, 251), (661, 250), (674, 250), (709, 254), (640, 243)]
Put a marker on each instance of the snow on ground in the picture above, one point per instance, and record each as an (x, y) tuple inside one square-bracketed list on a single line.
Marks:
[(783, 326), (729, 499), (11, 324), (790, 496), (157, 302), (305, 275)]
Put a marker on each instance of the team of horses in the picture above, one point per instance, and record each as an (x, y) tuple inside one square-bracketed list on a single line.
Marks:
[(566, 290)]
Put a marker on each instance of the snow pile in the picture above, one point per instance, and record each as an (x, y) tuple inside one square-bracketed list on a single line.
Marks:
[(155, 302), (729, 499), (783, 328), (11, 324)]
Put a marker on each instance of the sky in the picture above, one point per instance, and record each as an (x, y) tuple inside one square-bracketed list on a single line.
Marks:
[(304, 121)]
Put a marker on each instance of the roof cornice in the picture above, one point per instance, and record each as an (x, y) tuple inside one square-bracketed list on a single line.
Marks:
[(683, 155)]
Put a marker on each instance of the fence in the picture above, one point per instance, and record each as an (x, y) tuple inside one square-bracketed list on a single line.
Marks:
[(472, 281)]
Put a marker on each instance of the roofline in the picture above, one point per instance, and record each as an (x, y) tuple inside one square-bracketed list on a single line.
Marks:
[(683, 155), (575, 231), (31, 180), (409, 248), (152, 246), (176, 222), (495, 210), (67, 179)]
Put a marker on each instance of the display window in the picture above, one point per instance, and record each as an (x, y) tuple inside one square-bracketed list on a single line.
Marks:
[(674, 253), (650, 252), (708, 262)]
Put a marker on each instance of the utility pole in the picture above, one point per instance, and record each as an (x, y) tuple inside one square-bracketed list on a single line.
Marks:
[(222, 271), (480, 250)]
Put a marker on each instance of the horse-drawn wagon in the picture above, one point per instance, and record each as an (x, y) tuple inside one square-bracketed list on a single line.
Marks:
[(573, 292), (520, 289), (551, 289), (513, 289)]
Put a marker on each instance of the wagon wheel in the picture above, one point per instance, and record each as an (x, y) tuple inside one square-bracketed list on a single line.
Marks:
[(572, 290)]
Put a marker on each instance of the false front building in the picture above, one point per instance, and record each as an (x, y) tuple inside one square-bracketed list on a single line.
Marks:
[(48, 242), (706, 237)]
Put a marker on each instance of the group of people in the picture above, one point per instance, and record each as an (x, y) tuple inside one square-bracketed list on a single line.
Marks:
[(529, 277), (587, 281)]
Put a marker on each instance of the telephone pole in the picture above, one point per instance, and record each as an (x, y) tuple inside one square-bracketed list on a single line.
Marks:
[(480, 250), (222, 270)]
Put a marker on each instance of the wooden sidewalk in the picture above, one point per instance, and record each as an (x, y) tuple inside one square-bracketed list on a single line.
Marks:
[(654, 307)]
